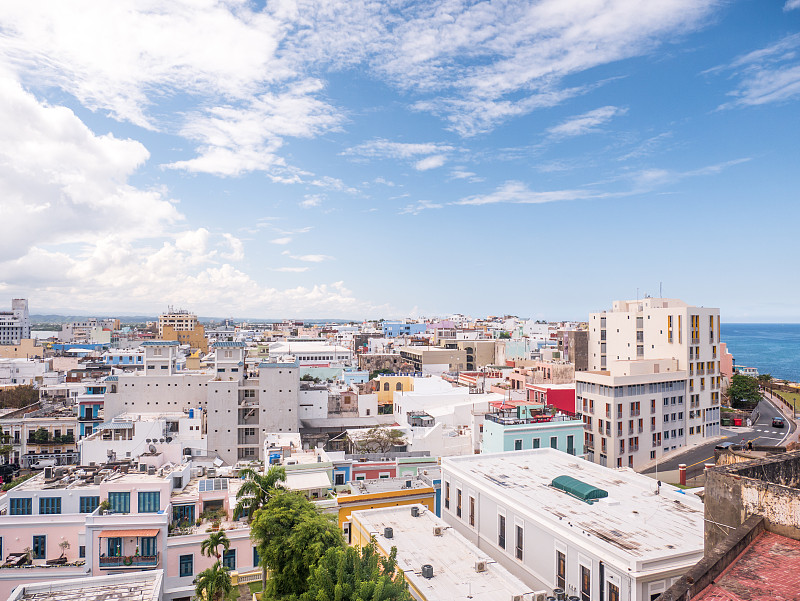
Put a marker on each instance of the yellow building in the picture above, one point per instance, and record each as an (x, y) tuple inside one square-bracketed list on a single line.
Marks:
[(388, 384), (26, 349), (387, 492), (195, 338)]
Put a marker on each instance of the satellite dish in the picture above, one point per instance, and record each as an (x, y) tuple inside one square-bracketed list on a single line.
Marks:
[(162, 440), (152, 448), (149, 440), (169, 438)]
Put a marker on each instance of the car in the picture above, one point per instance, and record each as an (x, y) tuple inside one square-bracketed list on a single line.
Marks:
[(43, 463), (777, 422), (724, 446)]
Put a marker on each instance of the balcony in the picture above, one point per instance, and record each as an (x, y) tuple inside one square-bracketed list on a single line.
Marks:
[(513, 421), (133, 562)]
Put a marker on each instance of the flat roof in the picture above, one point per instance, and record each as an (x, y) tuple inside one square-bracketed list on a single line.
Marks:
[(633, 522), (452, 556), (142, 586)]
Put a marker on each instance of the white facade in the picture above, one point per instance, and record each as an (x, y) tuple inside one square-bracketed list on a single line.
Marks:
[(653, 383), (311, 353), (15, 325), (18, 372), (632, 544)]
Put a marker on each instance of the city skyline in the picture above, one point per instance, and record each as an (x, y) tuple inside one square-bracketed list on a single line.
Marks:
[(363, 160)]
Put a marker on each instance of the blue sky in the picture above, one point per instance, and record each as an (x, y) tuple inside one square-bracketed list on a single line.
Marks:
[(356, 158)]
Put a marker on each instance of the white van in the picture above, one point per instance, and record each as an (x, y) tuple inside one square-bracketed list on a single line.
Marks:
[(43, 463)]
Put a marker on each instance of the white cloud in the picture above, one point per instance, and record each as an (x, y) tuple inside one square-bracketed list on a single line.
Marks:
[(431, 162), (417, 208), (385, 149), (791, 5), (311, 258), (236, 252), (586, 123), (310, 201), (461, 173), (518, 192), (291, 269), (486, 62), (284, 240), (769, 74)]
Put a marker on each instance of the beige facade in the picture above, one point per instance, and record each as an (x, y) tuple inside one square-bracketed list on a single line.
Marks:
[(653, 383), (26, 349), (479, 353), (427, 359), (180, 321)]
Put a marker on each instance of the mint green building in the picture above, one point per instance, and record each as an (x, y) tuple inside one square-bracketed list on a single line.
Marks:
[(515, 433)]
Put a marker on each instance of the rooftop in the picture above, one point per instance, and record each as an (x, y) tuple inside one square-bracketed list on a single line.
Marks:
[(453, 557), (371, 487), (139, 586), (768, 570), (634, 523)]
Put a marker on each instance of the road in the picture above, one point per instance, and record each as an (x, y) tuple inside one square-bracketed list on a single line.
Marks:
[(762, 433)]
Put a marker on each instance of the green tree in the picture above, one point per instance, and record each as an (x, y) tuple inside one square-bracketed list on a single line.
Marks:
[(504, 336), (347, 574), (254, 494), (5, 448), (41, 436), (379, 440), (743, 390), (291, 536), (213, 584), (765, 381), (215, 540)]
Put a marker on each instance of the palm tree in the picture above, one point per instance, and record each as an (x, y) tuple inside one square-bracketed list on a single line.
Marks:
[(213, 584), (254, 494), (210, 546), (257, 489)]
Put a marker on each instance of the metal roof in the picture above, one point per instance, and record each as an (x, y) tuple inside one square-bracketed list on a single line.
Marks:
[(227, 344), (576, 488), (160, 343)]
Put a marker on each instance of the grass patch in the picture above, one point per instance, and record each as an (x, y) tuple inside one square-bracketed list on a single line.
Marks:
[(255, 587), (20, 480), (792, 397)]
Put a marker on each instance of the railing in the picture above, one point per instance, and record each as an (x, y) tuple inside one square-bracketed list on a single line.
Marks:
[(129, 561), (513, 421)]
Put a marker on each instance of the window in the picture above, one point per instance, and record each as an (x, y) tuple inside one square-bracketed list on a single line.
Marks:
[(148, 546), (21, 506), (88, 504), (386, 386), (518, 548), (501, 531), (183, 513), (561, 570), (149, 502), (120, 502), (518, 444), (447, 495), (536, 443), (39, 546), (472, 511), (458, 502), (398, 386), (49, 505), (229, 559), (256, 558), (613, 592), (554, 442), (82, 551), (115, 546), (586, 583), (571, 444)]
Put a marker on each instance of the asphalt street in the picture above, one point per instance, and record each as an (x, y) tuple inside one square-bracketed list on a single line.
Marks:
[(761, 433)]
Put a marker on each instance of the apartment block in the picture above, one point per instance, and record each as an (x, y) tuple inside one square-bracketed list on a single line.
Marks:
[(653, 383), (15, 325)]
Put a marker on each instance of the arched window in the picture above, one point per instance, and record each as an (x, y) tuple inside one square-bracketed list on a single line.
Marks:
[(386, 386), (398, 386)]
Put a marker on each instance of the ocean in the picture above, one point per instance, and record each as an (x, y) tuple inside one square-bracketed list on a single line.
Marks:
[(772, 348)]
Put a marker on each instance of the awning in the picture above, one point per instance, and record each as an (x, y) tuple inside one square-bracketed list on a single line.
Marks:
[(307, 481), (116, 426), (128, 533)]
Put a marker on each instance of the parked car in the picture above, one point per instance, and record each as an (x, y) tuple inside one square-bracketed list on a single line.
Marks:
[(777, 422), (724, 446)]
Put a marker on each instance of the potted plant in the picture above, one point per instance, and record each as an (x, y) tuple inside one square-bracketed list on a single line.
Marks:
[(105, 507), (64, 545)]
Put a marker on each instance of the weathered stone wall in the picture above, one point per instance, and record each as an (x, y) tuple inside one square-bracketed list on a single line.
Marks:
[(769, 487)]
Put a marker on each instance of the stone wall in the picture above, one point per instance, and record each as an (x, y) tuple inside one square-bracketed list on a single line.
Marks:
[(769, 487)]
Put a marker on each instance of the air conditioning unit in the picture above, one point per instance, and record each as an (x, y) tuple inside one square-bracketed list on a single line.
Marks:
[(414, 511), (427, 571), (438, 531), (539, 596), (388, 532), (481, 565), (517, 598)]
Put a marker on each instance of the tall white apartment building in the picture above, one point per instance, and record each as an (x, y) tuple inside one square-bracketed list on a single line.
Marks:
[(15, 325), (653, 382)]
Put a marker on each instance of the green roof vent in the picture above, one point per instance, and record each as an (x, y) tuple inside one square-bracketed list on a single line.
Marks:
[(579, 490)]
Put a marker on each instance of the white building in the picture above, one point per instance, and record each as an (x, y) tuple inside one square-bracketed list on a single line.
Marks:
[(597, 534), (19, 372), (312, 353), (180, 321), (15, 325), (653, 383), (459, 570)]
